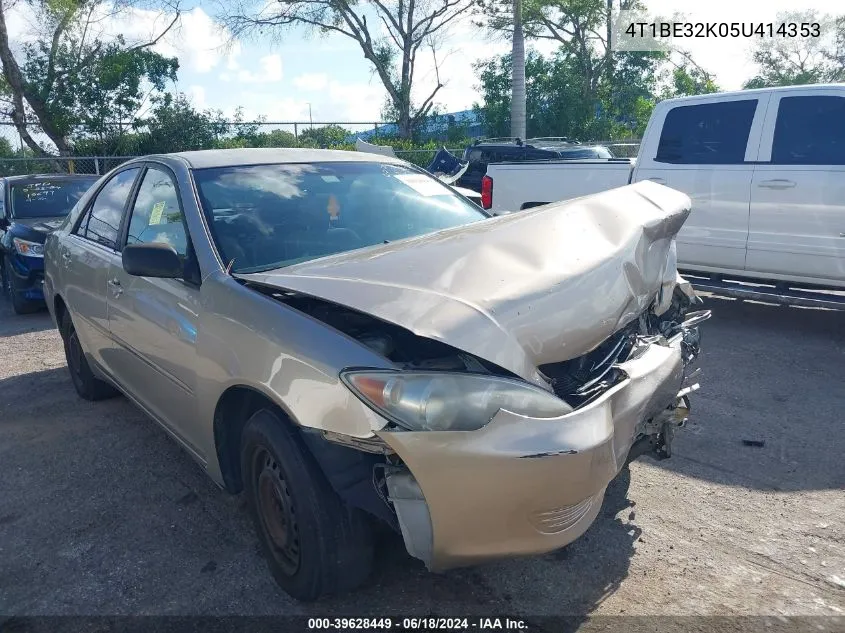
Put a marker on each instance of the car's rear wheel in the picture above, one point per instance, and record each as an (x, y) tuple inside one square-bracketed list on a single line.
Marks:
[(315, 545), (86, 384), (19, 304)]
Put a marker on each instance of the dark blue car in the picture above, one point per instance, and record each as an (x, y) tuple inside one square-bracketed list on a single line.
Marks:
[(31, 207)]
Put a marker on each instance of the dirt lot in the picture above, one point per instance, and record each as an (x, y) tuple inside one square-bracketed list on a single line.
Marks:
[(101, 513)]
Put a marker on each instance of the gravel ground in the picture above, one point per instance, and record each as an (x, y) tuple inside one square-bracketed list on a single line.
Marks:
[(101, 513)]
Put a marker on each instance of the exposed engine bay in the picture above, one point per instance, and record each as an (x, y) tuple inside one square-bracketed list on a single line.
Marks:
[(404, 348), (577, 381)]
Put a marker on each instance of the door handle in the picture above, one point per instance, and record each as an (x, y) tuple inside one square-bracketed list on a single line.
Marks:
[(659, 181), (777, 183), (117, 290)]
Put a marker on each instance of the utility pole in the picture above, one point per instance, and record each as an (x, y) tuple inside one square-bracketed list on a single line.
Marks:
[(310, 118)]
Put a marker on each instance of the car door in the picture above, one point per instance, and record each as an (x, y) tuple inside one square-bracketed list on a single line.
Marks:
[(707, 149), (154, 321), (86, 255), (797, 227)]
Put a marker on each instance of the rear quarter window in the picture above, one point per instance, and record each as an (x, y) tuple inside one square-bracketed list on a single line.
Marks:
[(810, 131)]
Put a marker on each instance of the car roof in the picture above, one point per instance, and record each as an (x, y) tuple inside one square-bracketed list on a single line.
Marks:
[(579, 148), (562, 147), (40, 177), (752, 92), (203, 159)]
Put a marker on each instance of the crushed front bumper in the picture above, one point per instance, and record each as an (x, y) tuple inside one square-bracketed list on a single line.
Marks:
[(521, 485)]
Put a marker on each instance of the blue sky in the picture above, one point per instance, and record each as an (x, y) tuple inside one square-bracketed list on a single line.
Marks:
[(277, 79)]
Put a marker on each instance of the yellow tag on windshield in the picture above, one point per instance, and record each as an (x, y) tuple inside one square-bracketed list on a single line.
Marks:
[(155, 214)]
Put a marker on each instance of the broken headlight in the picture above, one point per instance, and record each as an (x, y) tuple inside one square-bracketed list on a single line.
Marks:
[(439, 401)]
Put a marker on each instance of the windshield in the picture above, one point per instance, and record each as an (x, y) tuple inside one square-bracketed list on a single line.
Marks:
[(47, 198), (269, 216)]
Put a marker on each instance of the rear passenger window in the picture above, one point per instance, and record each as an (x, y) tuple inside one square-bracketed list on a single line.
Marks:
[(157, 216), (707, 134), (101, 223), (810, 131)]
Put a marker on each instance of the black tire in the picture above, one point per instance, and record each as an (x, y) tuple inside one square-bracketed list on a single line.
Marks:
[(20, 306), (314, 544), (86, 384)]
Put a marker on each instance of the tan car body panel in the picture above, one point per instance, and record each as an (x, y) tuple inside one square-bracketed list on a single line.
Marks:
[(537, 287)]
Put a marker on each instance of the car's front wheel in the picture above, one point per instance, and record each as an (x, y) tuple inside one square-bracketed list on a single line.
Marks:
[(86, 384), (315, 545), (19, 304)]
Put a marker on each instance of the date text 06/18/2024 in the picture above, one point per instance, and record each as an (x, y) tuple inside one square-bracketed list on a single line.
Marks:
[(417, 624)]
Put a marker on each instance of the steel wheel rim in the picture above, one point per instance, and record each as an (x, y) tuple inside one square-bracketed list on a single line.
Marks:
[(277, 512)]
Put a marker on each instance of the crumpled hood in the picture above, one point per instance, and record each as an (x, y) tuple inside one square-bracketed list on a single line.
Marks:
[(519, 290)]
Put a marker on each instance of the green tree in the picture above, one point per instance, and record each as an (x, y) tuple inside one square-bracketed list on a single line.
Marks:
[(277, 138), (326, 136), (175, 126), (784, 61), (585, 89), (6, 150), (68, 78), (687, 78), (555, 103), (390, 35)]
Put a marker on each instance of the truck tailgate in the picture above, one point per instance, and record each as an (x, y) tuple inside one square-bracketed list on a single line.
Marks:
[(522, 185)]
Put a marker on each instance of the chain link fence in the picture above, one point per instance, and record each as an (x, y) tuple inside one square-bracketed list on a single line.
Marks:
[(102, 164), (60, 165)]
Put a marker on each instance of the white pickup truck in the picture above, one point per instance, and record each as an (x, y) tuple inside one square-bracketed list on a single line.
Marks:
[(765, 170)]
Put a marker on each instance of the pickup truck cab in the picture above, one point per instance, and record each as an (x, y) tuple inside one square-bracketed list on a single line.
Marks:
[(484, 152), (765, 170)]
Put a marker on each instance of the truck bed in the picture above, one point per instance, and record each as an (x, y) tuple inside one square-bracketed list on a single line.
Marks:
[(585, 177)]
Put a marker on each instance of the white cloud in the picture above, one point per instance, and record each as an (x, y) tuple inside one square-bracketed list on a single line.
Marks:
[(232, 58), (19, 24), (311, 81), (271, 71), (272, 67), (354, 101), (198, 42), (197, 96)]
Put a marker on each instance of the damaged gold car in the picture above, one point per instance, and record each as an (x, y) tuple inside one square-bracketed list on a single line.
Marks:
[(348, 341)]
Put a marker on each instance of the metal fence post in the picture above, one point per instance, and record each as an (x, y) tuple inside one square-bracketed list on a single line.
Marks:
[(97, 165), (296, 131)]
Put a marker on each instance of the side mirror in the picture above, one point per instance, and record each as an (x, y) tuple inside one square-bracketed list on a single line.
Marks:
[(152, 260)]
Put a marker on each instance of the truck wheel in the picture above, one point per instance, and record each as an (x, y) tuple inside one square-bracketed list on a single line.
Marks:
[(19, 305), (314, 544), (86, 384)]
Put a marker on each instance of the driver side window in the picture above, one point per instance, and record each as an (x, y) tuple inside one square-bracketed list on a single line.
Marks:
[(157, 215)]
